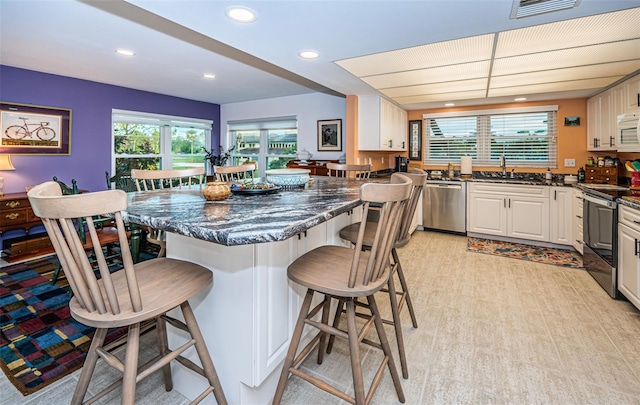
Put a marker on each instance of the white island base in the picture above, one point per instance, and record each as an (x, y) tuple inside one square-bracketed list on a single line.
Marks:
[(247, 316)]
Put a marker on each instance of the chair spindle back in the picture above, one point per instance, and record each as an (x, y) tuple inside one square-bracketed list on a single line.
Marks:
[(349, 171), (418, 181), (234, 173), (158, 179)]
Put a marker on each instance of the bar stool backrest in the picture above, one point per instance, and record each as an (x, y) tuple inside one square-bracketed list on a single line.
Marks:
[(234, 173), (390, 200), (418, 180), (57, 213)]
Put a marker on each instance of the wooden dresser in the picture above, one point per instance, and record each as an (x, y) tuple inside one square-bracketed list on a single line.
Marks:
[(316, 167), (16, 213)]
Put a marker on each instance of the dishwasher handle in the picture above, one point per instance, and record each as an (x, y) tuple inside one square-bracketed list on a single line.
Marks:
[(451, 186)]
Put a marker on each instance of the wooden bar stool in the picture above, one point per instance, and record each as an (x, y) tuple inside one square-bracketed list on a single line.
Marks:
[(338, 272), (400, 297), (349, 171), (142, 292)]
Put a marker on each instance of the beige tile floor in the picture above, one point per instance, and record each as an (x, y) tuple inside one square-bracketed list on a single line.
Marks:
[(491, 330)]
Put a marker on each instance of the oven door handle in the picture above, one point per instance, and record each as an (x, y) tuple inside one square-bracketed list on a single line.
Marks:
[(599, 201)]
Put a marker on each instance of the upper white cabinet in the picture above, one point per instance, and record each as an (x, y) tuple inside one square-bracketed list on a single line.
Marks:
[(381, 125), (601, 124), (602, 112)]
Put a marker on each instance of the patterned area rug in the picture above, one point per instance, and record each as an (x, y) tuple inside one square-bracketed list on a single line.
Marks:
[(39, 340), (556, 257)]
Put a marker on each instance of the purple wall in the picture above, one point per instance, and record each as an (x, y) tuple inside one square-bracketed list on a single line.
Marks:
[(91, 104)]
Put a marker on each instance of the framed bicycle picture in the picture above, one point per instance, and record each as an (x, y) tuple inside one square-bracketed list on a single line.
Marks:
[(28, 129), (330, 135)]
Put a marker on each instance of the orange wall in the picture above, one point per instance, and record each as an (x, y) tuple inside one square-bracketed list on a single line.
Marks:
[(572, 140)]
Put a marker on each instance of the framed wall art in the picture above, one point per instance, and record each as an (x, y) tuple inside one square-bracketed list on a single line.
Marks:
[(330, 135), (571, 121), (415, 140), (28, 129)]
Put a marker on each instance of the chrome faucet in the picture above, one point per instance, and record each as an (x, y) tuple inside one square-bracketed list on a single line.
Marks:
[(503, 164)]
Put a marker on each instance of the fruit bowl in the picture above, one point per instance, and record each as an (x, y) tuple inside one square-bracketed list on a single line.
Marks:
[(288, 177)]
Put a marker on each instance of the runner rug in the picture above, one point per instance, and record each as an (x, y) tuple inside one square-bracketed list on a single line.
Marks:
[(39, 340), (556, 257)]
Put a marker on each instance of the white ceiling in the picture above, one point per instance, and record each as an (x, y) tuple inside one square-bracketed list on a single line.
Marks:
[(365, 47)]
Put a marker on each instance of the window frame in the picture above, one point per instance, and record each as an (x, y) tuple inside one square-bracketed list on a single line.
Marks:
[(165, 124), (483, 136)]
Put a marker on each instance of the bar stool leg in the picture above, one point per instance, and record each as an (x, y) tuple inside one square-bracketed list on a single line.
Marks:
[(354, 353), (336, 322), (163, 348), (131, 365), (405, 288), (88, 366), (395, 313), (326, 308)]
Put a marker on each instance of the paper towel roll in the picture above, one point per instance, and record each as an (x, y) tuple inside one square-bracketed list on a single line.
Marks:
[(465, 165)]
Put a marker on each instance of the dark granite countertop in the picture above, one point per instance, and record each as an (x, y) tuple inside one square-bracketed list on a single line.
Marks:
[(245, 219)]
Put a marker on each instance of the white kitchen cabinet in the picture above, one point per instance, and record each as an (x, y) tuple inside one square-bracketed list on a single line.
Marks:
[(576, 219), (381, 125), (515, 211), (561, 215), (601, 123), (629, 254), (632, 94)]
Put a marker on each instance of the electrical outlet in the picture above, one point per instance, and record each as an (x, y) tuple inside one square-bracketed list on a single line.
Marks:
[(569, 163)]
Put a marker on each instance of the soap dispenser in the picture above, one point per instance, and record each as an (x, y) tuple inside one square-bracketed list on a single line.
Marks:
[(548, 177)]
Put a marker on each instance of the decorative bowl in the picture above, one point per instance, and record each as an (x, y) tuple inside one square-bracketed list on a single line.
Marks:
[(288, 177), (216, 191)]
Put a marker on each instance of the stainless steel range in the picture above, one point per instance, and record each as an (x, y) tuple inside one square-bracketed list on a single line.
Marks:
[(600, 225)]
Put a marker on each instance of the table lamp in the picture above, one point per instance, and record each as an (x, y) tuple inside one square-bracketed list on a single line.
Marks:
[(5, 164)]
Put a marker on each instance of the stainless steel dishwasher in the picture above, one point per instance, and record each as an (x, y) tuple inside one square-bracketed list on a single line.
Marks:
[(444, 206)]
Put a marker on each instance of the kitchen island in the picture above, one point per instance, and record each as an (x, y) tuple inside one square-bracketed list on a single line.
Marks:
[(247, 316)]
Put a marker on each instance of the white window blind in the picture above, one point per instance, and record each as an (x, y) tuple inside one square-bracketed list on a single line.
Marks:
[(526, 137)]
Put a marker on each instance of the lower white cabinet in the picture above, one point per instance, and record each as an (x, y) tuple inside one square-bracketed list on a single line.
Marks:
[(576, 219), (516, 211), (629, 254), (561, 215)]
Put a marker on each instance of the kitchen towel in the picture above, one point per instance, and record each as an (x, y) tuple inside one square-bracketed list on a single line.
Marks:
[(465, 165)]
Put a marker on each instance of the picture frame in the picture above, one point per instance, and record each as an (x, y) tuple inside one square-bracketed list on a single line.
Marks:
[(27, 129), (415, 140), (330, 135), (571, 121)]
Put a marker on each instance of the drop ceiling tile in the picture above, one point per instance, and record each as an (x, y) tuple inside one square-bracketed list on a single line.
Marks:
[(609, 27), (613, 69), (463, 95), (463, 50), (450, 73), (446, 87), (586, 55), (553, 87)]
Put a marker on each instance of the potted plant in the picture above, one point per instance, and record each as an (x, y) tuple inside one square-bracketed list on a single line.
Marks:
[(217, 159)]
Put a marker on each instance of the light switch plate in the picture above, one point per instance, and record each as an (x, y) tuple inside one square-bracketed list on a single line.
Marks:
[(569, 163)]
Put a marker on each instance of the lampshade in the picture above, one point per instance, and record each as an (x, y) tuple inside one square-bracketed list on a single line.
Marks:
[(5, 163)]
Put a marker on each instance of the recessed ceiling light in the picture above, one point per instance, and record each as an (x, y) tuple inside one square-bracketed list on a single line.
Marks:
[(309, 54), (520, 99), (209, 76), (241, 14), (449, 104), (125, 52)]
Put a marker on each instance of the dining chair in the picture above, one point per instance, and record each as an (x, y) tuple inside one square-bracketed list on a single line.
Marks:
[(338, 272), (128, 298), (234, 173), (348, 170), (397, 297), (146, 180), (166, 178)]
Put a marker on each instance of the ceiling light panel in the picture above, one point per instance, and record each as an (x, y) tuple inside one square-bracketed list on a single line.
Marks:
[(586, 55), (609, 27), (614, 69), (426, 98), (447, 87), (462, 50), (452, 73), (553, 87)]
